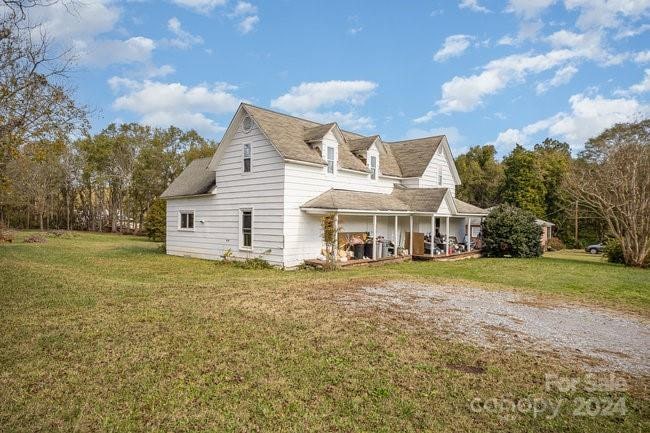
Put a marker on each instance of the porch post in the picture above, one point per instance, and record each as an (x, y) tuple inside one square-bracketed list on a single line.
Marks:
[(396, 242), (374, 237), (447, 238), (433, 232), (469, 233), (336, 234), (411, 234)]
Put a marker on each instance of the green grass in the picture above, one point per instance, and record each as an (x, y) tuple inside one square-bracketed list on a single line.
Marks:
[(104, 333)]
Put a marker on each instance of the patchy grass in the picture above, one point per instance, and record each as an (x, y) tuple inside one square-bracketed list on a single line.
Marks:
[(102, 332)]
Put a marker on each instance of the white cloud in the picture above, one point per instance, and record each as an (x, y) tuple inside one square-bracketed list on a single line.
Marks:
[(589, 116), (466, 93), (641, 87), (606, 14), (506, 40), (244, 8), (246, 15), (80, 20), (642, 57), (562, 76), (454, 136), (472, 5), (200, 6), (425, 118), (247, 25), (528, 8), (183, 39), (453, 46), (329, 101), (629, 32), (164, 104), (350, 120), (104, 52), (311, 96), (80, 25)]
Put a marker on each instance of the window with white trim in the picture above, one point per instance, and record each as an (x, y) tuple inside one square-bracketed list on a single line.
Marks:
[(373, 167), (186, 219), (246, 228), (247, 158), (440, 175), (330, 159)]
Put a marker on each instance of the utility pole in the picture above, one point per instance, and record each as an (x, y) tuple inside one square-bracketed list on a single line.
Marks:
[(575, 234)]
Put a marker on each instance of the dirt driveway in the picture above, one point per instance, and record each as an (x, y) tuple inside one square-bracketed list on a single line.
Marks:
[(512, 321)]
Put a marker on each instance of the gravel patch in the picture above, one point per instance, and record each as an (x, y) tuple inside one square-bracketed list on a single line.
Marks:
[(513, 321)]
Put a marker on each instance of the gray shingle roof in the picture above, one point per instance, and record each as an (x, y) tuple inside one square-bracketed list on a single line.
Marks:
[(195, 179), (413, 156), (464, 207), (413, 200), (357, 200), (421, 199), (290, 135)]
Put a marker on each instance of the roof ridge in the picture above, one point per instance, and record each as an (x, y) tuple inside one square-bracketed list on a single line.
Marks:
[(300, 118), (414, 139)]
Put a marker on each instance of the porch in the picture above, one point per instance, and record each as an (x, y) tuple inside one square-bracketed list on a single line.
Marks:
[(423, 222)]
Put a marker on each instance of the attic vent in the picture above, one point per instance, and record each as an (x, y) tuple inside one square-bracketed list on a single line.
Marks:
[(247, 124)]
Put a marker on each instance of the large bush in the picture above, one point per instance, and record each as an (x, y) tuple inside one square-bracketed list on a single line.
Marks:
[(155, 222), (511, 232), (613, 251)]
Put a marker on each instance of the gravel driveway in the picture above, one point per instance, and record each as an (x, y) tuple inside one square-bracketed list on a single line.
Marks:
[(515, 321)]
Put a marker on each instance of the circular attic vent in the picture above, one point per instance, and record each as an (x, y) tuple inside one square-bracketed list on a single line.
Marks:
[(247, 123)]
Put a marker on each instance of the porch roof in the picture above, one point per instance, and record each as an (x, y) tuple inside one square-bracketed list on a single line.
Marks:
[(466, 208), (403, 200)]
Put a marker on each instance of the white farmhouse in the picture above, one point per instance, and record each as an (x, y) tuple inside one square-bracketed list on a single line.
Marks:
[(274, 176)]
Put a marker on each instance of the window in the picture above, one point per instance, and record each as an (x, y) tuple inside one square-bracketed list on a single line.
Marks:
[(247, 158), (373, 167), (439, 175), (247, 228), (330, 159), (187, 220), (247, 124)]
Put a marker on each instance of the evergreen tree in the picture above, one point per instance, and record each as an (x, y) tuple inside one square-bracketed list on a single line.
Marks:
[(482, 176), (524, 182)]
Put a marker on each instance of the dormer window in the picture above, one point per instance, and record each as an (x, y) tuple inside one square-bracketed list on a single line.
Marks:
[(373, 167), (247, 158), (330, 160)]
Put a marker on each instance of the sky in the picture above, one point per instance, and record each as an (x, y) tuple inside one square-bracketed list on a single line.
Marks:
[(479, 71)]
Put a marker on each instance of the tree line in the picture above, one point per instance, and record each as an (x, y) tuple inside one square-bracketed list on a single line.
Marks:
[(102, 182), (602, 192), (533, 180)]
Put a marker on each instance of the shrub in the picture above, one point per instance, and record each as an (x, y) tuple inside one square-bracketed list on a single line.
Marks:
[(36, 238), (555, 244), (64, 234), (155, 222), (512, 232), (255, 263), (613, 251), (6, 235)]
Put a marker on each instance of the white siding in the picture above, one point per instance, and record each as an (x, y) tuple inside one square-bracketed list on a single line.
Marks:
[(429, 178), (261, 189), (302, 232)]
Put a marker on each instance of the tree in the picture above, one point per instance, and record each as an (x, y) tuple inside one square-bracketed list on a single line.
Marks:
[(482, 176), (35, 104), (511, 231), (612, 178), (524, 183), (155, 222)]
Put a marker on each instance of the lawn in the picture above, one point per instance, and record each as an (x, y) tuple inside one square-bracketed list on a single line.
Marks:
[(105, 333)]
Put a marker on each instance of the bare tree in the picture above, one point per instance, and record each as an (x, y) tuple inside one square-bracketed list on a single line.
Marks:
[(612, 178), (35, 104)]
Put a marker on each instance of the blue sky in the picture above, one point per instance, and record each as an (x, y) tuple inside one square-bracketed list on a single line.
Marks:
[(479, 71)]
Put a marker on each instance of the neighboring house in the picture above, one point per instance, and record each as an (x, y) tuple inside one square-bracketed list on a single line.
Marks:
[(274, 176), (547, 231)]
